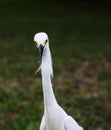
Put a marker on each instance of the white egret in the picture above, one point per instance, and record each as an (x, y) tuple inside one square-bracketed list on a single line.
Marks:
[(54, 118)]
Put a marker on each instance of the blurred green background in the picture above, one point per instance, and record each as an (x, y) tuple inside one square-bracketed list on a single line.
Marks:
[(80, 42)]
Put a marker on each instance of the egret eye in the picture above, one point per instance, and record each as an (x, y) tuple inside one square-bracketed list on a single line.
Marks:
[(35, 43), (46, 41)]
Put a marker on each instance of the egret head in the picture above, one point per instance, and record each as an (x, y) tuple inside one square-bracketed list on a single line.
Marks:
[(42, 43), (41, 40)]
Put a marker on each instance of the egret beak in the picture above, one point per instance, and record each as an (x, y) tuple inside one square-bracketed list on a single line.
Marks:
[(41, 48)]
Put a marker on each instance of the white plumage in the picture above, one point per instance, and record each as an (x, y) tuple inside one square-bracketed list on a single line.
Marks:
[(54, 118)]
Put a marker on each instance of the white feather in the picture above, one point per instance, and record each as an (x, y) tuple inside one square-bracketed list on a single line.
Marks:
[(54, 118)]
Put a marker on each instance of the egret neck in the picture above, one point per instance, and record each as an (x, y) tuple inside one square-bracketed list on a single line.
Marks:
[(47, 71)]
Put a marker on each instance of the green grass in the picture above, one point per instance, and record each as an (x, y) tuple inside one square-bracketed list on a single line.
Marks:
[(81, 49)]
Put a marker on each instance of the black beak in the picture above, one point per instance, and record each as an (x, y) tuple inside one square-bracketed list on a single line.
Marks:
[(41, 48)]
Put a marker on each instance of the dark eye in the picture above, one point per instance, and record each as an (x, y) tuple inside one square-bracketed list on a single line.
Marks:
[(35, 43), (46, 41)]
